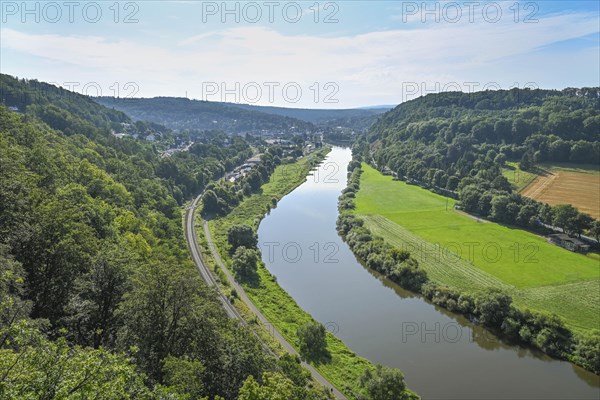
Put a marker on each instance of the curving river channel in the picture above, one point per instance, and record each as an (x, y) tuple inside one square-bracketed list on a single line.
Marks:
[(442, 355)]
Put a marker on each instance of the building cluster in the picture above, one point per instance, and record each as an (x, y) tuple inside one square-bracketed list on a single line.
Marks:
[(244, 169)]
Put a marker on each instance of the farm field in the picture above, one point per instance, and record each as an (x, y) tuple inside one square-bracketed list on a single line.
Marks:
[(559, 183), (481, 254), (580, 189)]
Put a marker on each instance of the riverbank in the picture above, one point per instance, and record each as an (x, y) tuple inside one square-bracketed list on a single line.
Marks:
[(345, 367), (489, 300)]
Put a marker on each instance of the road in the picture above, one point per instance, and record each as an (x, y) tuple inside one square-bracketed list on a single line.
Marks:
[(190, 235)]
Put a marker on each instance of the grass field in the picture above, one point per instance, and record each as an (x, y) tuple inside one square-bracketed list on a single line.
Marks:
[(518, 178), (279, 308), (481, 254)]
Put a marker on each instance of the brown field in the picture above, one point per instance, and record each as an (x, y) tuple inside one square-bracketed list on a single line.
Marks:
[(562, 187)]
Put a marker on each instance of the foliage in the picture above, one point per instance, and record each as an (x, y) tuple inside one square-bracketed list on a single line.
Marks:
[(384, 383), (244, 262), (313, 343), (241, 235)]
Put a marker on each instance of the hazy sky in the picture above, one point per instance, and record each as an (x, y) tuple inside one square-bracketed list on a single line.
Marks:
[(321, 54)]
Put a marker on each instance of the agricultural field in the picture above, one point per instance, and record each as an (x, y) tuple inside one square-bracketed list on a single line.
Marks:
[(559, 183), (579, 187), (461, 251)]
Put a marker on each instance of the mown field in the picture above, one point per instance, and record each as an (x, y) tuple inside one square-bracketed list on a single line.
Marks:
[(473, 254), (279, 308), (559, 183)]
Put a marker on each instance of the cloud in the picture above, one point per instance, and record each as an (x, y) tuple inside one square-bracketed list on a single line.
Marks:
[(363, 65)]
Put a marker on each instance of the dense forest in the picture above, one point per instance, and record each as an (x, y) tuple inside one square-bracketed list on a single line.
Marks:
[(456, 144), (181, 113), (97, 290)]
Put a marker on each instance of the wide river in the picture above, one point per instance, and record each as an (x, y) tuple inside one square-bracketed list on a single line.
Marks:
[(442, 355)]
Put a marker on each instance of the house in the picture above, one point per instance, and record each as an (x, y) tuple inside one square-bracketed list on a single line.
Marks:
[(569, 243)]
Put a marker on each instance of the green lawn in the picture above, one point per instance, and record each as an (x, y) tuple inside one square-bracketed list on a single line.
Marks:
[(490, 254)]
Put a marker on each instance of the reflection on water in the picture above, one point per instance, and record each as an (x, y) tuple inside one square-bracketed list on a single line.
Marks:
[(442, 355)]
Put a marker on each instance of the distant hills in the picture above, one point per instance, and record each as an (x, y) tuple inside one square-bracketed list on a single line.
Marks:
[(182, 113)]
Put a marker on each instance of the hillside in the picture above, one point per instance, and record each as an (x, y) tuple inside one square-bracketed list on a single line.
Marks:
[(97, 290), (458, 144), (352, 117), (181, 113)]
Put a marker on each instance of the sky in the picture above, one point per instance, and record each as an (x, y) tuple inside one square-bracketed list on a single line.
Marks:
[(310, 54)]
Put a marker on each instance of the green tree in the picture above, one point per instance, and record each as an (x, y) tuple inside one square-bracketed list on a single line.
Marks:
[(244, 262), (313, 341), (241, 235), (595, 230), (565, 217), (275, 387), (492, 306), (384, 383), (42, 369)]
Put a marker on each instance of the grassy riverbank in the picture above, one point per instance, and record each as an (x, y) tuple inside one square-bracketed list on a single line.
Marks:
[(538, 275), (279, 308)]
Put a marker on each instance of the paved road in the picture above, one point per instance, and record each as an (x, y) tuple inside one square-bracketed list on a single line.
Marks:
[(190, 235)]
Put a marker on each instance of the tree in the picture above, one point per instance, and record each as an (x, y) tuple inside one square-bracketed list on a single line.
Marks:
[(384, 383), (313, 343), (587, 351), (492, 306), (582, 223), (43, 369), (275, 387), (241, 235), (595, 230), (210, 203), (244, 262), (565, 217), (526, 162), (166, 313), (185, 376)]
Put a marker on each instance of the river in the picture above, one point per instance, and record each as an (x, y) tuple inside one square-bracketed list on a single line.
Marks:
[(442, 355)]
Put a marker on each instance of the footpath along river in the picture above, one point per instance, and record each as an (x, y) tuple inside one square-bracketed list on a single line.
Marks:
[(442, 355)]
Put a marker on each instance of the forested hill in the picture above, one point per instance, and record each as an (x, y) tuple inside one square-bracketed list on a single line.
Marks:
[(68, 111), (458, 143), (97, 290), (182, 113), (350, 117)]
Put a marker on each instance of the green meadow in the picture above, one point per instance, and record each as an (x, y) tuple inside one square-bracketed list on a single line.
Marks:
[(459, 250)]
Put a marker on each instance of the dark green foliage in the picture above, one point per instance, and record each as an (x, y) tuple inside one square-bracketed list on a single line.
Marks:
[(384, 383), (244, 262), (242, 235), (313, 343)]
